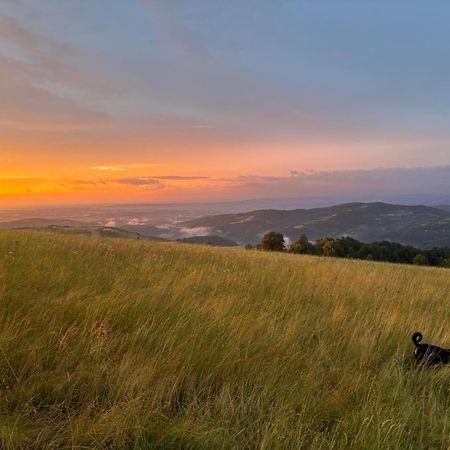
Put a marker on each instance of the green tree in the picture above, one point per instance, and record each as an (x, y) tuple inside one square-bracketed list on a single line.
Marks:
[(326, 247), (303, 246), (420, 260), (272, 242)]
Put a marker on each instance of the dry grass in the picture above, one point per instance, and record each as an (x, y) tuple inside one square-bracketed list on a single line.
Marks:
[(121, 344)]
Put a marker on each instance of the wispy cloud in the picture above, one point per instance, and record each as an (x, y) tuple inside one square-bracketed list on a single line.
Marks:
[(154, 180), (137, 181), (180, 177), (384, 184), (123, 167), (42, 83), (86, 182), (373, 183)]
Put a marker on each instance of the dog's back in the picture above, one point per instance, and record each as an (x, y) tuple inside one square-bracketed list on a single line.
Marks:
[(429, 354)]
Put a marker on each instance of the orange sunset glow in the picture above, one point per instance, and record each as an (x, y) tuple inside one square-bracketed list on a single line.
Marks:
[(167, 113)]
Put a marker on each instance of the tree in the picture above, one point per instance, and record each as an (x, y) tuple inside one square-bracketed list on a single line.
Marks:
[(420, 260), (349, 247), (272, 242), (438, 256), (303, 246), (326, 247)]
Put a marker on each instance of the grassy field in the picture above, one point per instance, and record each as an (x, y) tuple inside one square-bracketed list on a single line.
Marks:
[(130, 344)]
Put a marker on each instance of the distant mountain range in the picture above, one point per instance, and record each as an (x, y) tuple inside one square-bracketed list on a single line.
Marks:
[(421, 226)]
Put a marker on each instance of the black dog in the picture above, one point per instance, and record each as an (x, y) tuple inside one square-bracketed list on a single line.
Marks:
[(429, 354)]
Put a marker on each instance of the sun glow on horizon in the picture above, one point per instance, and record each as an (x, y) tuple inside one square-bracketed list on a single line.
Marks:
[(168, 110)]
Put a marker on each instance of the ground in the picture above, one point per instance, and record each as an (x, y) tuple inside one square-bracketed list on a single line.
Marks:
[(110, 343)]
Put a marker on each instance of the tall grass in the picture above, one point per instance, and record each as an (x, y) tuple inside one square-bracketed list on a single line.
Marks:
[(124, 344)]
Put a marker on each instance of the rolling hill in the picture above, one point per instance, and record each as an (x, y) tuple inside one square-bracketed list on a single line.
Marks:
[(420, 226), (36, 223), (72, 227), (126, 231), (210, 240), (114, 343)]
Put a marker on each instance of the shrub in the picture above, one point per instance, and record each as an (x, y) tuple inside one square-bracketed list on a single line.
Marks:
[(420, 260), (272, 242), (303, 246)]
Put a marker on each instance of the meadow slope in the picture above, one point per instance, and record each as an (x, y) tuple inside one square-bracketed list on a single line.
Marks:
[(109, 343)]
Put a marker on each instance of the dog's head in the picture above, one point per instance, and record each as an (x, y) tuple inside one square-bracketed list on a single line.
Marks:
[(420, 352), (416, 338)]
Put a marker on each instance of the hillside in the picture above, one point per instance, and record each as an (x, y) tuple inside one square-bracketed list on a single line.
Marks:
[(39, 222), (112, 343), (420, 226), (210, 240), (68, 226), (125, 231), (81, 230)]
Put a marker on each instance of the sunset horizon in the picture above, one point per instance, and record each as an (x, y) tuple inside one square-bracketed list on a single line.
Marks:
[(303, 99)]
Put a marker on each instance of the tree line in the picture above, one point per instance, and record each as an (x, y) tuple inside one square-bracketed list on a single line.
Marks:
[(347, 247)]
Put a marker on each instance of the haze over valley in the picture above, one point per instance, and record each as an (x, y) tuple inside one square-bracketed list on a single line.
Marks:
[(420, 226)]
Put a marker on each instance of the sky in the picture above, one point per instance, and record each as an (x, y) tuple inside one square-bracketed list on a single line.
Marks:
[(205, 100)]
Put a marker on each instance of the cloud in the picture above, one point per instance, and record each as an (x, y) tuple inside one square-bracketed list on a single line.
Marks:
[(137, 181), (356, 183), (29, 108), (429, 185), (86, 182), (180, 178), (123, 167), (42, 85), (154, 180), (35, 45), (56, 184)]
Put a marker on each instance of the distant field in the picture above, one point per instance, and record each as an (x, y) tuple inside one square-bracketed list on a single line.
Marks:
[(109, 343)]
